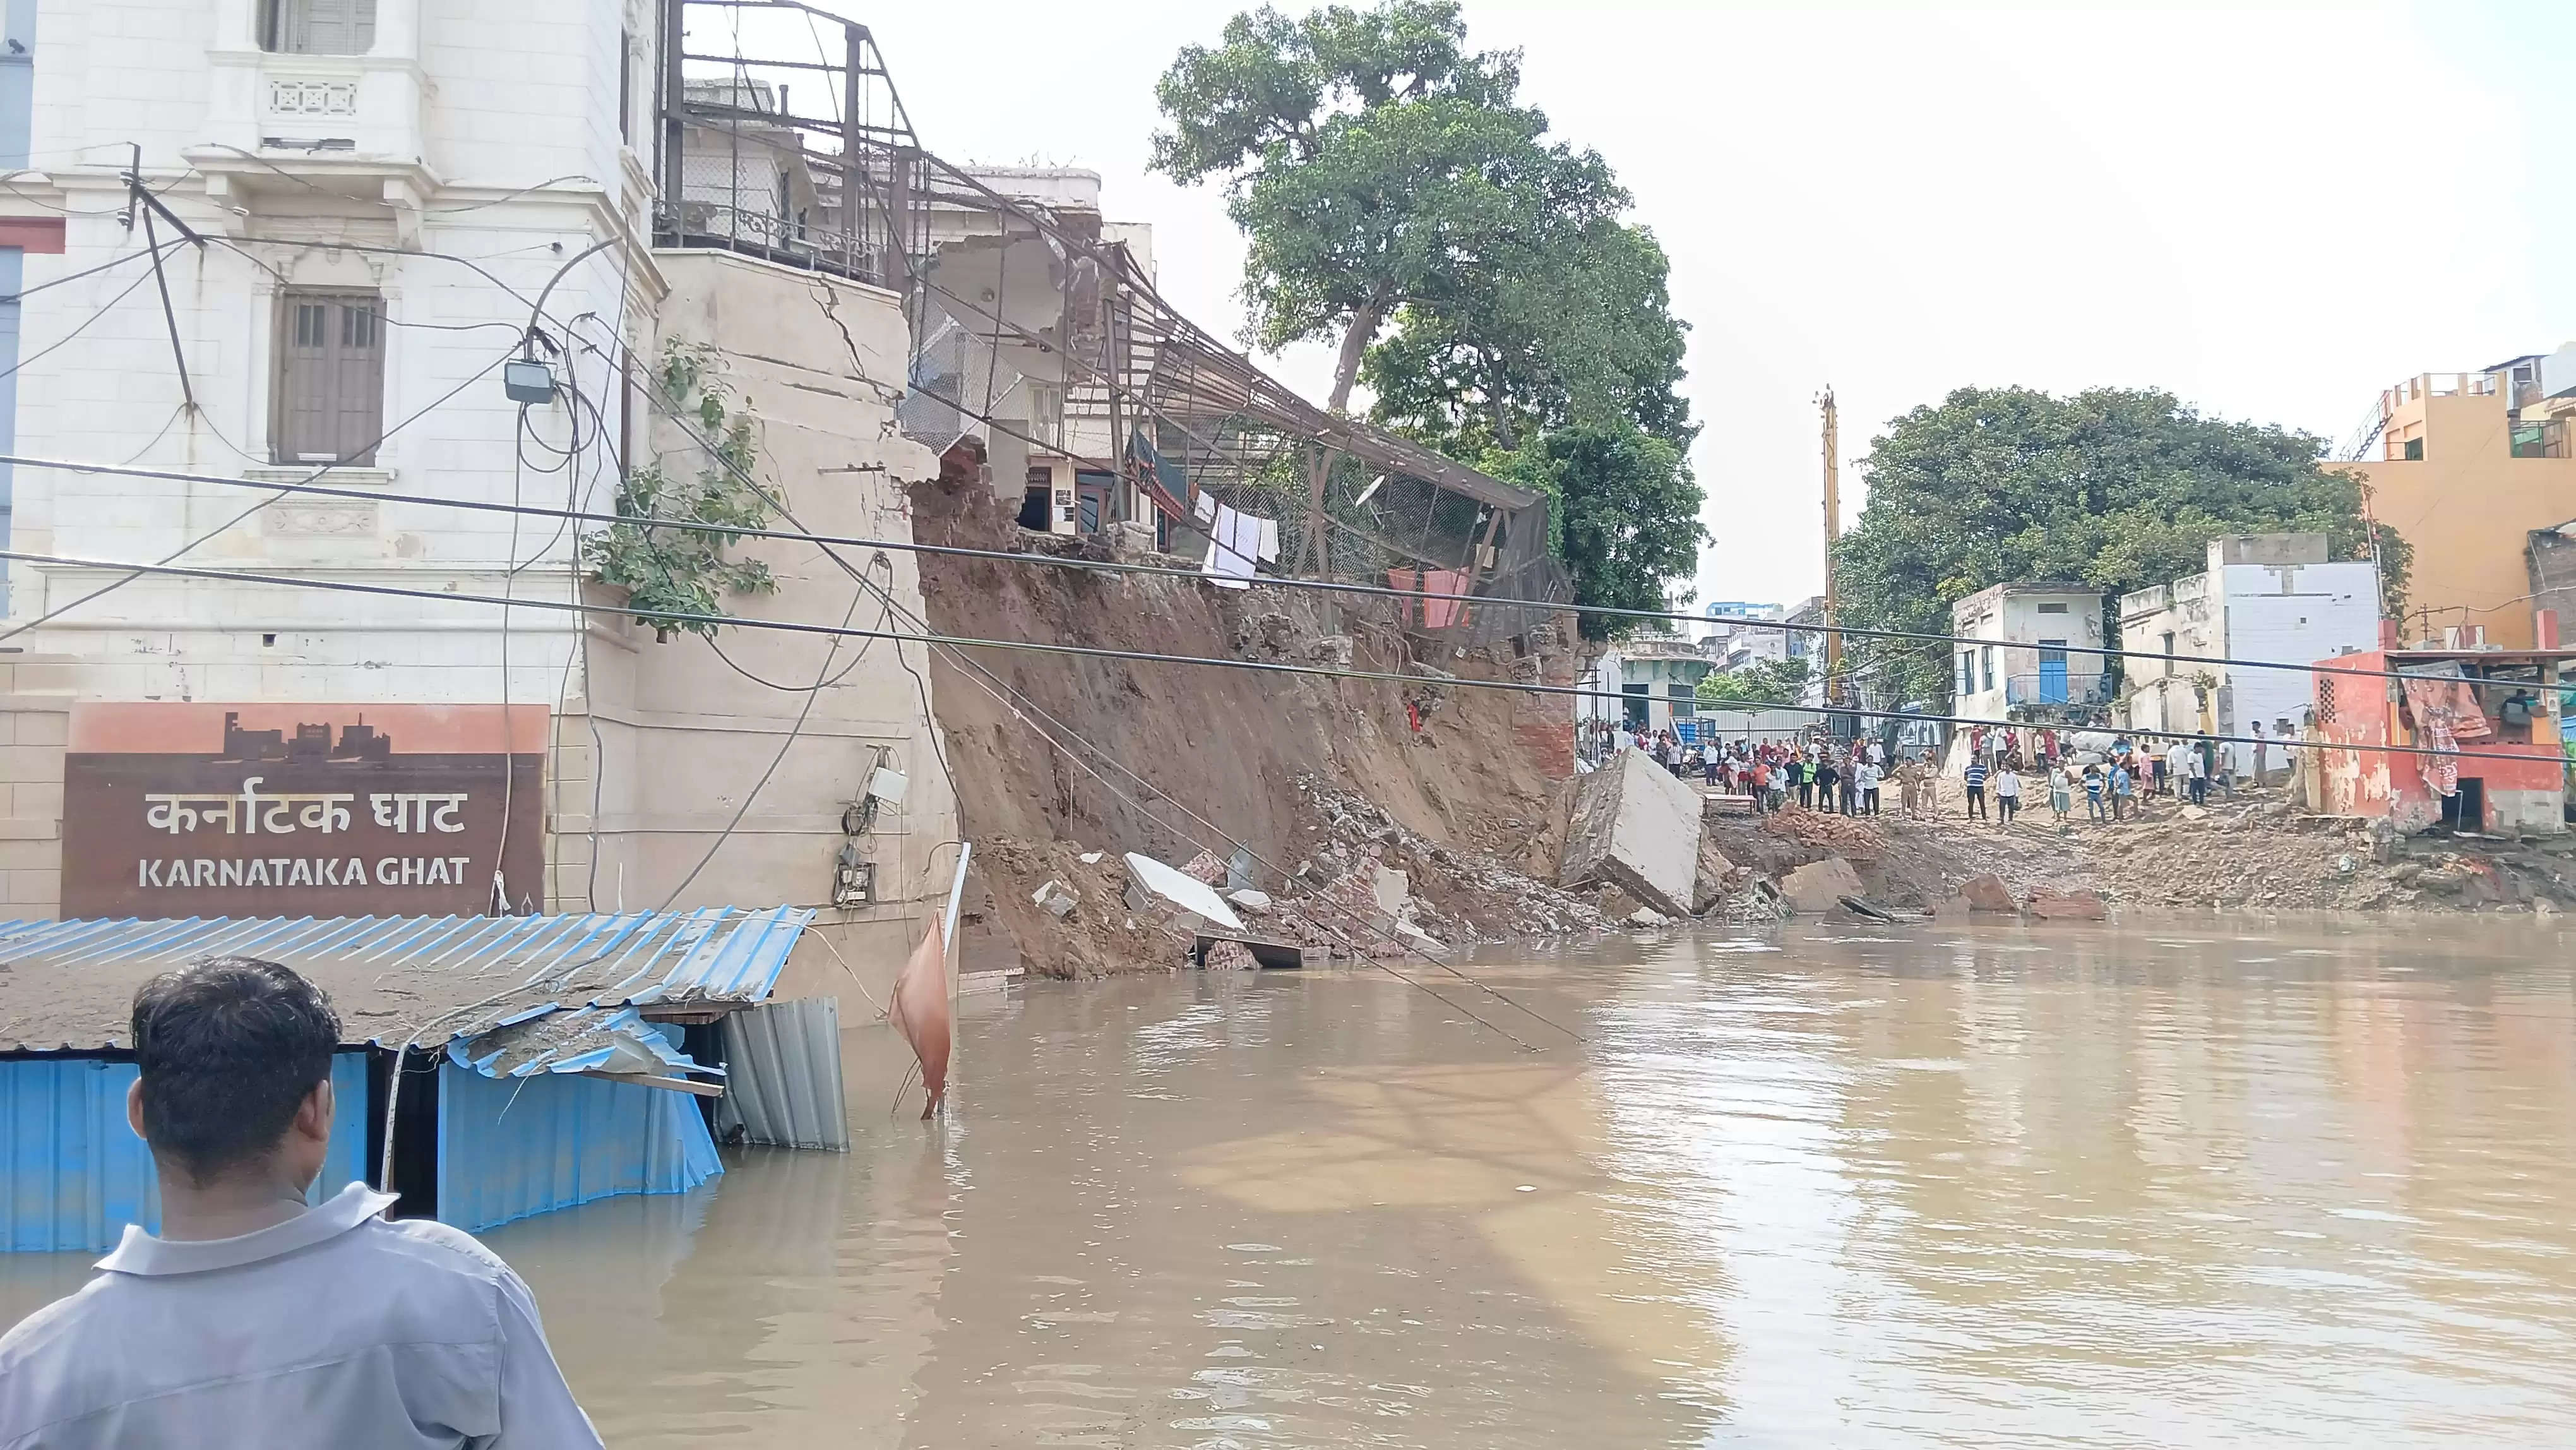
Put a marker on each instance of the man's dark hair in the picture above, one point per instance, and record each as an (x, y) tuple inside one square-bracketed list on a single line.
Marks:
[(228, 1047)]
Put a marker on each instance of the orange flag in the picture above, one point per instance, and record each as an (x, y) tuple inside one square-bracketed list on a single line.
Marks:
[(919, 1010)]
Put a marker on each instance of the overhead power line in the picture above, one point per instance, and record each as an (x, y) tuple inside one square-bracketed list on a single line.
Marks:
[(685, 619), (1007, 556)]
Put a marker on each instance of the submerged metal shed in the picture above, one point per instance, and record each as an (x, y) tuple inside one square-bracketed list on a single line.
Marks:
[(540, 1029)]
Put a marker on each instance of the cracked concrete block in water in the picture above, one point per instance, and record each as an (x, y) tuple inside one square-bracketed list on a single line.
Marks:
[(1634, 825), (1988, 893), (1393, 888), (2050, 905), (1820, 886)]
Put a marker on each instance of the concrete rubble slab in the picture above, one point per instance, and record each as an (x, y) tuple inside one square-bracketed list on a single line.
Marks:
[(1988, 893), (1820, 886), (1194, 897), (1635, 826), (2050, 905), (1393, 889)]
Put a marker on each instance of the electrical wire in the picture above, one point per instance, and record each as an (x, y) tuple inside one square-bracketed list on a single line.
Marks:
[(793, 731), (440, 401), (688, 619), (15, 630), (119, 260), (78, 328), (312, 185), (930, 719), (1050, 561)]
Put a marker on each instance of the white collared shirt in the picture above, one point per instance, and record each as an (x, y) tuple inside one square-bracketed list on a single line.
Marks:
[(334, 1328)]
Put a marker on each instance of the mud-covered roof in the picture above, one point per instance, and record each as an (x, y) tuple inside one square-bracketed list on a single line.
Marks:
[(493, 981)]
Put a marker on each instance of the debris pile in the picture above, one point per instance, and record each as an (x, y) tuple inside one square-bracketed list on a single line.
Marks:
[(2263, 855), (1065, 911), (1352, 847)]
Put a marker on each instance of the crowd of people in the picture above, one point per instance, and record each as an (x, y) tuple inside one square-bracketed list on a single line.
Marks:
[(2002, 766)]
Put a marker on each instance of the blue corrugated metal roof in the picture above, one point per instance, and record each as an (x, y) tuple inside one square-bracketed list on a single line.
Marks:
[(458, 976)]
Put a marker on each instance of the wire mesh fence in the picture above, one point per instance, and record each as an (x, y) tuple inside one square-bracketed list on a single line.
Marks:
[(1037, 323)]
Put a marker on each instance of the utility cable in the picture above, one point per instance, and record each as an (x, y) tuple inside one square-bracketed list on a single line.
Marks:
[(1051, 561), (15, 630), (120, 260), (686, 619), (931, 724)]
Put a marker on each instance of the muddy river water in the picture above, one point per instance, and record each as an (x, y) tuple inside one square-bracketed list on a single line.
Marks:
[(2185, 1183)]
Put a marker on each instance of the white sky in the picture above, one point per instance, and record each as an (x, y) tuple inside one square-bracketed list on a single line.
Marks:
[(2273, 211)]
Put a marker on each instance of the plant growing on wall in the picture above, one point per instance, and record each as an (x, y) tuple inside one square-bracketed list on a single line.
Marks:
[(666, 570)]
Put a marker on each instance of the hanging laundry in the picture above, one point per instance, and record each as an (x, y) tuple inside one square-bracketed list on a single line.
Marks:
[(2445, 707), (1203, 508), (1233, 539), (1268, 552)]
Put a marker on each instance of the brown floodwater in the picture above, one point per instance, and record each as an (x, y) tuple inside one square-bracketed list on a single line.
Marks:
[(2193, 1182)]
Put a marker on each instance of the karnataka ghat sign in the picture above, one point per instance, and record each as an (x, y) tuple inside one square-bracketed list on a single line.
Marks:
[(185, 809)]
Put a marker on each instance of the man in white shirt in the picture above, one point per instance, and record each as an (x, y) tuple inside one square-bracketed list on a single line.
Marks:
[(252, 1320), (2007, 789)]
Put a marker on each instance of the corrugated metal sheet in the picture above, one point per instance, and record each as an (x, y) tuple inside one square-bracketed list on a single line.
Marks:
[(75, 1174), (491, 972), (783, 1075), (508, 1148)]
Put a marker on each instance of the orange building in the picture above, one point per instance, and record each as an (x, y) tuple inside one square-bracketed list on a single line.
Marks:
[(2467, 465)]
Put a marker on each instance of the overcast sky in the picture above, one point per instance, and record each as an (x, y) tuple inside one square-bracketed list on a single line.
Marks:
[(2271, 211)]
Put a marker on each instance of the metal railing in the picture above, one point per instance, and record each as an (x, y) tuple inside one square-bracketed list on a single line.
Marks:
[(2071, 688)]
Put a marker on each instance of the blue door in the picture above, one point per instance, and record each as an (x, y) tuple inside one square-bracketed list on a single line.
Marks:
[(2052, 672)]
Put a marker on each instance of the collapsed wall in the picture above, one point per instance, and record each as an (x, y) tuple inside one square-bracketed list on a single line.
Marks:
[(1052, 751)]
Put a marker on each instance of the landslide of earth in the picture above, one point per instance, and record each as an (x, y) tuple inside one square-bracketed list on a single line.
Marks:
[(1057, 756)]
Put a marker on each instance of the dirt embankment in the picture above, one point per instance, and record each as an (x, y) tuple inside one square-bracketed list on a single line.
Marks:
[(2251, 852), (1056, 756)]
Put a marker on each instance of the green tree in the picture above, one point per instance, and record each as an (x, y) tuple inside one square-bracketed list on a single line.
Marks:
[(1624, 514), (1575, 326), (1764, 682), (1372, 160), (687, 570), (2119, 489)]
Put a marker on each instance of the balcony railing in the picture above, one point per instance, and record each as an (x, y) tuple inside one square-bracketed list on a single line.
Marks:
[(2058, 688), (2436, 385), (2543, 439)]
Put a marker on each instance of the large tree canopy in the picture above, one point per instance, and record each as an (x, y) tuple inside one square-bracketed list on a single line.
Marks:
[(1764, 682), (1574, 327), (2120, 489), (1373, 161), (1384, 172)]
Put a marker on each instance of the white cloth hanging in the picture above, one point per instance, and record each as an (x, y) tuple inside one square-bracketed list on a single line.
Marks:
[(1233, 538)]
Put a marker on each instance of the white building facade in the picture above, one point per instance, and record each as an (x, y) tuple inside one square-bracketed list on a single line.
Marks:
[(2264, 597), (396, 199), (2025, 665)]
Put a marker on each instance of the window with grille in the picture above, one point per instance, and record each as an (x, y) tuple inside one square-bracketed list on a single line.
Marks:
[(2325, 699), (331, 378), (319, 27)]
